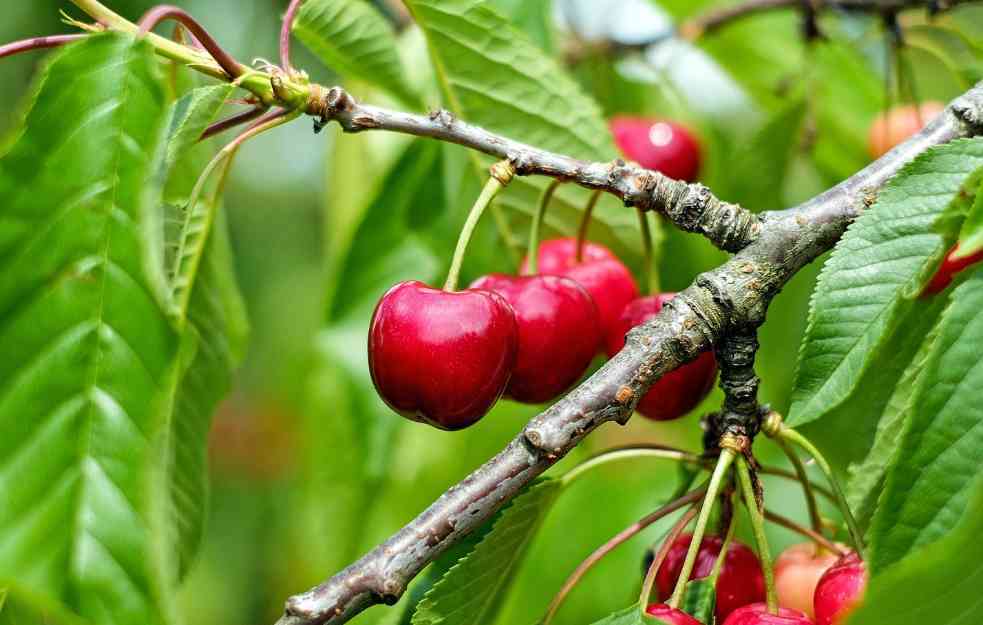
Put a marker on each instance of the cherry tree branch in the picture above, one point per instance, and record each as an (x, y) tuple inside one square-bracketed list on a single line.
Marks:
[(727, 301)]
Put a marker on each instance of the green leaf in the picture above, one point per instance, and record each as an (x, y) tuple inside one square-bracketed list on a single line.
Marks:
[(629, 616), (951, 48), (354, 39), (939, 584), (971, 234), (700, 599), (21, 607), (492, 75), (928, 488), (867, 284), (473, 589), (90, 352)]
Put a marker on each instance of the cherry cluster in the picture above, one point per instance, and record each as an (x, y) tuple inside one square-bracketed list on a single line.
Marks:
[(814, 586), (445, 357)]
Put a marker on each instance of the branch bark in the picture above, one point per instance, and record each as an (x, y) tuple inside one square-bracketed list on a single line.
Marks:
[(729, 300)]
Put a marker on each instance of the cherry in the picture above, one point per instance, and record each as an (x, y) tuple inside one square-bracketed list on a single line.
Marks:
[(599, 271), (658, 144), (677, 392), (741, 580), (797, 571), (758, 614), (949, 268), (441, 357), (672, 616), (840, 590), (893, 126), (558, 332)]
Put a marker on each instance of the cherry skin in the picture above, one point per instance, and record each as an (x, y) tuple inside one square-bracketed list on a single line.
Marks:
[(658, 144), (948, 269), (741, 580), (758, 614), (797, 571), (840, 590), (893, 126), (440, 357), (602, 275), (558, 332), (672, 616), (677, 392)]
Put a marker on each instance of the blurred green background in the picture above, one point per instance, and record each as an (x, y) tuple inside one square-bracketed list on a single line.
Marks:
[(308, 469)]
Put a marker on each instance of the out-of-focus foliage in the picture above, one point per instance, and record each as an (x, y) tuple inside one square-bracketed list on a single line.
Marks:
[(308, 467)]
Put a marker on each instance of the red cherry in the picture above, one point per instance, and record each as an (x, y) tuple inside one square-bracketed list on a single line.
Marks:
[(949, 268), (677, 392), (658, 144), (600, 272), (441, 357), (558, 332), (758, 614), (672, 616), (797, 571), (840, 590), (741, 580), (893, 126)]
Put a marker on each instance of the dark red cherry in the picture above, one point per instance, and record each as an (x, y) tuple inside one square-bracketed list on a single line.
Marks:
[(558, 332), (758, 614), (741, 580), (840, 590), (677, 392), (600, 272), (949, 268), (671, 616), (441, 357), (658, 144)]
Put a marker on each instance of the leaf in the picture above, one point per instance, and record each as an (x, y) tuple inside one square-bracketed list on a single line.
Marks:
[(865, 287), (971, 234), (492, 75), (700, 599), (89, 351), (354, 39), (927, 490), (20, 607), (629, 616), (939, 584), (472, 590), (951, 48)]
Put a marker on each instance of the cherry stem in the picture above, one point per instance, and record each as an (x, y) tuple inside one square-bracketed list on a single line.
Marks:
[(501, 174), (646, 595), (37, 43), (267, 122), (232, 121), (585, 224), (758, 529), (816, 537), (788, 475), (288, 22), (164, 12), (803, 477), (718, 564), (795, 437), (532, 255), (611, 544), (627, 453), (716, 479), (651, 274)]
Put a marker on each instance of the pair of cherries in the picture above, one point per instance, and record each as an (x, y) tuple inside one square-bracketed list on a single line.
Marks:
[(809, 585)]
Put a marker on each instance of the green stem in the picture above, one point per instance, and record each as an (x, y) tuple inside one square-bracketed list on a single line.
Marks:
[(585, 223), (800, 471), (723, 464), (758, 528), (496, 182), (646, 594), (856, 535), (718, 564), (628, 453), (532, 255), (650, 275)]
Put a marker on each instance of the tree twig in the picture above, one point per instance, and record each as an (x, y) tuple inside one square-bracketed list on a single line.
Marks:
[(37, 43), (288, 22)]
